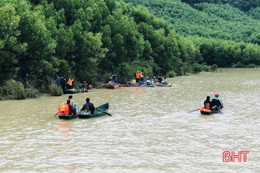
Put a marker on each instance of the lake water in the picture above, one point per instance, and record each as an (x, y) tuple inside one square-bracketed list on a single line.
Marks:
[(150, 130)]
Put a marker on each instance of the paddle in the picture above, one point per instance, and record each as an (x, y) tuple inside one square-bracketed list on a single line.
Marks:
[(56, 114), (194, 110), (104, 112)]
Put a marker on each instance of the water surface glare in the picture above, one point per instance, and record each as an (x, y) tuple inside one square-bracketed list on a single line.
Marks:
[(150, 130)]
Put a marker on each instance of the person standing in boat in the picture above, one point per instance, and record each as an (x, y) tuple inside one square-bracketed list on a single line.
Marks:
[(137, 77), (216, 103), (88, 106), (207, 103)]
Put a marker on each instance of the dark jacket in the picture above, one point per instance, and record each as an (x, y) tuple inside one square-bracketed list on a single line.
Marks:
[(216, 102), (71, 109), (88, 106)]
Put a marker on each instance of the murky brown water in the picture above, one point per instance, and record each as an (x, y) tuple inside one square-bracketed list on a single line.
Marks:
[(150, 130)]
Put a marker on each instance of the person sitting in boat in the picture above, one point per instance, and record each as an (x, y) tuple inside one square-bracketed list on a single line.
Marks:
[(115, 80), (66, 109), (148, 81), (216, 103), (160, 79), (71, 101), (88, 106), (165, 82), (85, 86), (133, 81), (207, 103)]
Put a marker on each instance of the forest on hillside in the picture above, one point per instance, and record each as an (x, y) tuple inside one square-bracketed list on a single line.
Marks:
[(221, 21), (225, 35), (88, 40)]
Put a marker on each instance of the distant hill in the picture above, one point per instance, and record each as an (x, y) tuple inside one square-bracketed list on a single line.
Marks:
[(222, 21), (244, 5)]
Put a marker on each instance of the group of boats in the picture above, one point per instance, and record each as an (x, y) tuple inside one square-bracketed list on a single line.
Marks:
[(99, 111), (115, 86)]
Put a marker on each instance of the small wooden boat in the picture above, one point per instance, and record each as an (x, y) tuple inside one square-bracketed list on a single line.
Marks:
[(100, 111), (70, 116), (84, 90), (71, 91), (163, 85), (115, 86), (128, 85), (208, 111)]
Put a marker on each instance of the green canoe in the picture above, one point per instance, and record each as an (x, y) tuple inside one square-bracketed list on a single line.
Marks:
[(70, 116), (100, 111)]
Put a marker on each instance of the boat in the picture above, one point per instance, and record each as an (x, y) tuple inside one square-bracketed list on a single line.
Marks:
[(128, 85), (84, 90), (208, 111), (163, 85), (70, 116), (71, 91), (109, 86), (99, 111)]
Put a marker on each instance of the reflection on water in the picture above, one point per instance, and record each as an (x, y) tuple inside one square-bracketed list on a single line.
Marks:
[(150, 130), (64, 128)]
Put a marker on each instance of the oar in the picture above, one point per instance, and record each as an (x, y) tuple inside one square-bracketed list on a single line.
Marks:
[(194, 110), (104, 112), (56, 114)]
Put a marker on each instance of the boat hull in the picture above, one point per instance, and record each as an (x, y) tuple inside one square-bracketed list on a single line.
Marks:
[(70, 116), (207, 112), (112, 86), (100, 111)]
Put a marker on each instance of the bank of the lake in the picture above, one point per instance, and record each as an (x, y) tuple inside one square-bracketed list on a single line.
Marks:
[(150, 130)]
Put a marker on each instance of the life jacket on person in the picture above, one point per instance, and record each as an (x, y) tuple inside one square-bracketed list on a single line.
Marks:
[(141, 75), (64, 109), (70, 82), (137, 75)]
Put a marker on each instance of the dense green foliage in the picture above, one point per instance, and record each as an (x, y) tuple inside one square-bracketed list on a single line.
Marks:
[(88, 40), (14, 89), (92, 39), (206, 19), (244, 5), (225, 53), (211, 27)]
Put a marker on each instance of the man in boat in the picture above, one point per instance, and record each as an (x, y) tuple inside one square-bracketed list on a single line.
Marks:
[(66, 109), (85, 86), (216, 103), (88, 106), (148, 81), (207, 103), (165, 82), (71, 101)]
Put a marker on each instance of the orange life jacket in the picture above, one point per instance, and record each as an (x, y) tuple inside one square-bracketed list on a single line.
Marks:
[(141, 75), (137, 75), (64, 109), (70, 82)]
